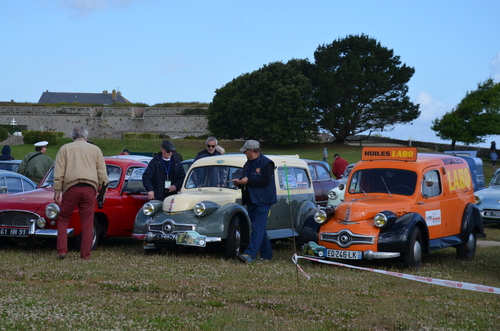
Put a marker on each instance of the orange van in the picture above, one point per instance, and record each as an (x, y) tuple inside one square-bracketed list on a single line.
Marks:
[(398, 204)]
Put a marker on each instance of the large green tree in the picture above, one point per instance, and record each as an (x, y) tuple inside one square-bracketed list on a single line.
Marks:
[(476, 116), (273, 103), (361, 86)]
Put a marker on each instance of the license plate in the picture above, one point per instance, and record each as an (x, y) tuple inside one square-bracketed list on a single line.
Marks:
[(14, 232), (492, 213), (346, 255)]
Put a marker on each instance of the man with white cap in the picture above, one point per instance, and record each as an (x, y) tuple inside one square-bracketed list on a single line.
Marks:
[(36, 164), (258, 194)]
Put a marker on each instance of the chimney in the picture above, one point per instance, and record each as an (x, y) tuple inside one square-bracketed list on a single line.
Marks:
[(113, 95)]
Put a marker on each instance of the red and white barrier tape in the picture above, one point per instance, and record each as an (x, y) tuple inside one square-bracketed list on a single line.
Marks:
[(441, 282)]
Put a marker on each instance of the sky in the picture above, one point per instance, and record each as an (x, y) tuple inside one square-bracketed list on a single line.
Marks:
[(157, 51)]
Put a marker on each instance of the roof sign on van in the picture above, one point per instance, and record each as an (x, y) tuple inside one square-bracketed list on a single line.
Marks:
[(389, 153)]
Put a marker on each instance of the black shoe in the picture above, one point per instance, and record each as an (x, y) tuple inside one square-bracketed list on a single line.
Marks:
[(60, 256)]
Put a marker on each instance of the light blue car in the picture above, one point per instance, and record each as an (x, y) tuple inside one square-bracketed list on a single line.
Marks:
[(488, 200)]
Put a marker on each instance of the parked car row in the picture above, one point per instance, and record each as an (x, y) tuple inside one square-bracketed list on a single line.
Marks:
[(394, 203)]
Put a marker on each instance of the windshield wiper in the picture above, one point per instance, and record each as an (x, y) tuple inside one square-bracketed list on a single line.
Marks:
[(383, 181)]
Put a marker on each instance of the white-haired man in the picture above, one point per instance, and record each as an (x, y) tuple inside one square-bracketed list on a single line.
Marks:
[(79, 171)]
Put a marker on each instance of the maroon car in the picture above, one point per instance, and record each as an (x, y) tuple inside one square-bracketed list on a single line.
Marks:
[(33, 215), (322, 180)]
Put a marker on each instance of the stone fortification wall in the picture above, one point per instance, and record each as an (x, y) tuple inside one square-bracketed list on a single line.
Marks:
[(107, 122)]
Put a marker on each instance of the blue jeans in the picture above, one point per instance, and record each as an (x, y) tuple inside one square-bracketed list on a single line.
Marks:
[(258, 239)]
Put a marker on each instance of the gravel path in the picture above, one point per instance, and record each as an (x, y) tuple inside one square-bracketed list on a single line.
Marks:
[(487, 243)]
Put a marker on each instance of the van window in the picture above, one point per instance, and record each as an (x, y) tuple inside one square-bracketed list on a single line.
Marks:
[(429, 190)]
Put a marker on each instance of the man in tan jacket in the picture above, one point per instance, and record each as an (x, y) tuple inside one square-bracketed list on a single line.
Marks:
[(79, 170)]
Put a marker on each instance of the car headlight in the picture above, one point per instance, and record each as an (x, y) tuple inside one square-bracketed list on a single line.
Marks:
[(332, 195), (199, 209), (41, 222), (380, 220), (478, 199), (150, 208), (320, 217), (52, 211)]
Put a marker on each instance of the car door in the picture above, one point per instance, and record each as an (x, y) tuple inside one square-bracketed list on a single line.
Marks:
[(133, 196)]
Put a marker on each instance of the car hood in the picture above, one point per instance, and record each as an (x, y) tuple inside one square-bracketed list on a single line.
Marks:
[(367, 207), (29, 201), (189, 198), (492, 190)]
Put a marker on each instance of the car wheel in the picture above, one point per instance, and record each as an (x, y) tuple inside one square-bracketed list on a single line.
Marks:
[(413, 258), (233, 241), (467, 250), (95, 238)]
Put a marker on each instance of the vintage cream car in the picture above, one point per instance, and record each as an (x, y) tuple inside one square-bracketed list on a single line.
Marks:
[(208, 209)]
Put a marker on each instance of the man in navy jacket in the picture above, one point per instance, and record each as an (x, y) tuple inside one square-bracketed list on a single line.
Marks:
[(258, 194), (165, 174)]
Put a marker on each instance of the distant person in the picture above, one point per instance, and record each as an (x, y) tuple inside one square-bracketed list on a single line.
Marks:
[(164, 174), (338, 166), (36, 164), (210, 150), (125, 152), (78, 173), (6, 153), (493, 153)]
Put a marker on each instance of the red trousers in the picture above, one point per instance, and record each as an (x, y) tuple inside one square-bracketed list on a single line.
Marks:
[(82, 197)]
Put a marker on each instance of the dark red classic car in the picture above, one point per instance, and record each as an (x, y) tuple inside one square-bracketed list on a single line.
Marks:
[(322, 180), (33, 215)]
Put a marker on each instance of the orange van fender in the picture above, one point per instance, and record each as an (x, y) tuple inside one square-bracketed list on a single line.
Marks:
[(396, 238)]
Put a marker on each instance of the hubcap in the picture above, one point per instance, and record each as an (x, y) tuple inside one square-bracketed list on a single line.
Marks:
[(470, 242), (417, 251)]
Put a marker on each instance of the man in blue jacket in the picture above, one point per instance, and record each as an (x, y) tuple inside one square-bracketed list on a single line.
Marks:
[(164, 174), (258, 194)]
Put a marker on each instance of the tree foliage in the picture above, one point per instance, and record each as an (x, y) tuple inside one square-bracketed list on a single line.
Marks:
[(476, 116), (361, 86), (273, 104)]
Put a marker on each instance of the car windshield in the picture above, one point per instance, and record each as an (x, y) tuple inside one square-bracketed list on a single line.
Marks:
[(392, 181), (49, 179), (495, 180), (213, 176)]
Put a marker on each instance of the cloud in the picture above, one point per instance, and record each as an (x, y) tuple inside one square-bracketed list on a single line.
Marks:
[(420, 129), (495, 68)]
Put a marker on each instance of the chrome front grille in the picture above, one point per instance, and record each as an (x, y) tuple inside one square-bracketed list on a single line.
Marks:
[(346, 238), (17, 218), (170, 227)]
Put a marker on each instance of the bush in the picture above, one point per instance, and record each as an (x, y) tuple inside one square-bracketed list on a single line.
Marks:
[(31, 136), (4, 134)]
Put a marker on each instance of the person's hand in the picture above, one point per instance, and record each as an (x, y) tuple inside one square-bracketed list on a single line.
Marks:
[(242, 181), (172, 188), (151, 195), (57, 197)]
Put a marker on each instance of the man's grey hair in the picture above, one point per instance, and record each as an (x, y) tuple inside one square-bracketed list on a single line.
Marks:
[(211, 139), (79, 132)]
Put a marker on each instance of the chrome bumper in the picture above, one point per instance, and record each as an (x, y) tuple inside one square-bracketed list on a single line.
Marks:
[(371, 255)]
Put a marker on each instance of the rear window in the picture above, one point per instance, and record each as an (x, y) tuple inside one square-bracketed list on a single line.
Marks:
[(293, 178)]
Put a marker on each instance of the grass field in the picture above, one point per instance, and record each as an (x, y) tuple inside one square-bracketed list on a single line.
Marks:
[(120, 288)]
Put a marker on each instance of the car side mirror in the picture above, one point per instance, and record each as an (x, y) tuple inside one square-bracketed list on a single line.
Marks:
[(341, 186), (429, 182)]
